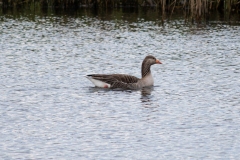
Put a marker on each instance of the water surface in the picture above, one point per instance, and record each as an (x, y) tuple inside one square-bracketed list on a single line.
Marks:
[(49, 110)]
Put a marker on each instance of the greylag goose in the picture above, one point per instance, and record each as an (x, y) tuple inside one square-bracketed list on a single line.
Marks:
[(125, 81)]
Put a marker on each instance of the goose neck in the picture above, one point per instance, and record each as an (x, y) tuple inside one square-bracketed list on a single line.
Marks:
[(145, 69)]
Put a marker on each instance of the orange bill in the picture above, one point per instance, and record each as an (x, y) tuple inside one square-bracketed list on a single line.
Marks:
[(158, 62)]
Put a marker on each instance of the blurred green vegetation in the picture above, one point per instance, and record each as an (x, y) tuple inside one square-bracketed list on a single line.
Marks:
[(195, 10)]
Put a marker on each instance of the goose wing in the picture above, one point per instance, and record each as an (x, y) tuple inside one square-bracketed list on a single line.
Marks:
[(116, 80), (125, 78)]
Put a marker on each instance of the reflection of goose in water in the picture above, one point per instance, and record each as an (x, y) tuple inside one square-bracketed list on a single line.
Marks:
[(126, 81), (146, 95), (146, 91)]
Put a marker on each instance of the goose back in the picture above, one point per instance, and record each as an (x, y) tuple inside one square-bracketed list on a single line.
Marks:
[(116, 80)]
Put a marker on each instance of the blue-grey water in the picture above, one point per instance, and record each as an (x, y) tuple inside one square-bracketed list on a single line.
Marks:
[(49, 110)]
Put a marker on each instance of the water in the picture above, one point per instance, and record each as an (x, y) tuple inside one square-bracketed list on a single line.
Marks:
[(49, 110)]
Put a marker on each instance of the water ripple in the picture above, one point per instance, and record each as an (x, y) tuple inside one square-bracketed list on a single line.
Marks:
[(49, 110)]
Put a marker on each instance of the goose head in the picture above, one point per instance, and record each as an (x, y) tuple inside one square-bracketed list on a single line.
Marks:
[(150, 60), (146, 64)]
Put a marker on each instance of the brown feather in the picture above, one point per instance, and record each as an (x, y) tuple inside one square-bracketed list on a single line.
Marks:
[(116, 80)]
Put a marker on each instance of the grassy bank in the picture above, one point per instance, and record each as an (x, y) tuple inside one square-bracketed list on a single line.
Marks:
[(196, 9)]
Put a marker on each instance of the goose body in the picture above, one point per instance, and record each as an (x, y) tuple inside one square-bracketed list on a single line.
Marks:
[(125, 81)]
